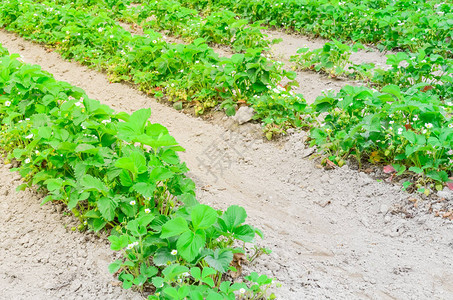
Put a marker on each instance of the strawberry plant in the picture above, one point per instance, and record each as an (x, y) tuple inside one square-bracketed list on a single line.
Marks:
[(401, 24), (121, 173), (413, 128), (219, 27), (192, 73), (331, 59)]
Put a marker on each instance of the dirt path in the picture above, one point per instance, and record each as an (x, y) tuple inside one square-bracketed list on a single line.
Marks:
[(332, 233), (292, 42), (312, 84)]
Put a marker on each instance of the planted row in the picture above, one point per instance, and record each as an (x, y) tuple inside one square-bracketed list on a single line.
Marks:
[(413, 130), (191, 75), (121, 172), (277, 106), (400, 24), (403, 69), (225, 28), (220, 28)]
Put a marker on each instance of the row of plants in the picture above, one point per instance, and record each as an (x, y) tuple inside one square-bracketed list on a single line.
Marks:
[(411, 130), (279, 108), (402, 69), (404, 119), (224, 28), (399, 24), (121, 173), (191, 75)]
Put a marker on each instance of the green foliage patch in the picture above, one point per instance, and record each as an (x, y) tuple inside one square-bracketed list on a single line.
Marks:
[(122, 173)]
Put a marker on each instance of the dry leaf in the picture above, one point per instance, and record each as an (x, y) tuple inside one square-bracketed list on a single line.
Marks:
[(238, 260), (375, 157), (330, 164), (448, 214)]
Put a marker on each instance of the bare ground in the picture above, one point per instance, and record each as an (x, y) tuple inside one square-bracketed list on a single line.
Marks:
[(334, 234)]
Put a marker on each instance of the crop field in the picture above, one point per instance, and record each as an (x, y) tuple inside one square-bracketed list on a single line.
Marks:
[(226, 149)]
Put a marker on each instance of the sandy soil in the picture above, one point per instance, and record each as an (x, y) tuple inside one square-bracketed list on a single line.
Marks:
[(311, 83), (334, 234), (41, 259)]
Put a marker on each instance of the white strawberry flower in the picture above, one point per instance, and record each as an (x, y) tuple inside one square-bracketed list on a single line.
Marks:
[(8, 103)]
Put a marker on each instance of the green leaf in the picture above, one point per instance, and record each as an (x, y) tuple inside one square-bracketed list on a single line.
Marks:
[(140, 280), (53, 184), (160, 174), (115, 266), (84, 148), (244, 233), (206, 273), (93, 214), (135, 163), (214, 296), (163, 140), (125, 178), (393, 90), (135, 126), (441, 176), (145, 189), (127, 209), (158, 282), (203, 216), (107, 207), (98, 224), (416, 170), (188, 199), (233, 217), (126, 163), (46, 199), (148, 271), (189, 244), (91, 183), (196, 273), (220, 260), (45, 132), (118, 242), (136, 228), (163, 257), (173, 271), (174, 227), (172, 293), (75, 198)]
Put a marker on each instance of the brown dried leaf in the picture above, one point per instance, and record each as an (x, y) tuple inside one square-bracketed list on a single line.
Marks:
[(238, 260), (330, 164), (448, 214)]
